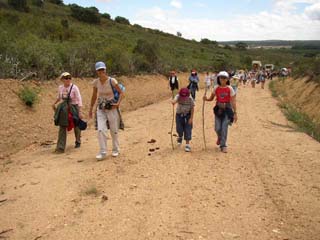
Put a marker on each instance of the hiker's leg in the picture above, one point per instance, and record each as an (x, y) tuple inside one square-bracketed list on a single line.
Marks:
[(179, 127), (187, 129), (77, 134), (62, 139), (102, 130), (113, 118), (217, 126), (224, 131)]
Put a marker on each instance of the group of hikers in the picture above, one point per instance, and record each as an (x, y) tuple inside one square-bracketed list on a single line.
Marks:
[(107, 95)]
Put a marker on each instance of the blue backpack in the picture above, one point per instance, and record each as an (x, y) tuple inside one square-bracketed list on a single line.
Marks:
[(115, 91)]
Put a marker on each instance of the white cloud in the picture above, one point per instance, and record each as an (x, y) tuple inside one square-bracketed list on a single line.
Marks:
[(176, 4), (313, 11), (261, 26)]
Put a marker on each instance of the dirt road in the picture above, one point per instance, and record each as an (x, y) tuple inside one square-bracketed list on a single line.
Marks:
[(266, 187)]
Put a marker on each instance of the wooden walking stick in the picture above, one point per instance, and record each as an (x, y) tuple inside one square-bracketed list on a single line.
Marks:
[(172, 123), (203, 131), (172, 127)]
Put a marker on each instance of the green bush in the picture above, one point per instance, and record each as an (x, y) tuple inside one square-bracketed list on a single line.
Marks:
[(20, 5), (88, 15), (58, 2), (29, 96), (122, 20), (106, 16)]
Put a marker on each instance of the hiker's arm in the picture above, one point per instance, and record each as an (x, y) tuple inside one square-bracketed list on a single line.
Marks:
[(93, 100), (234, 107), (205, 98)]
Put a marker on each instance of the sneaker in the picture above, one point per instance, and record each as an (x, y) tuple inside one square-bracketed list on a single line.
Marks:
[(224, 149), (218, 141), (77, 145), (179, 141), (187, 148), (115, 153), (101, 156)]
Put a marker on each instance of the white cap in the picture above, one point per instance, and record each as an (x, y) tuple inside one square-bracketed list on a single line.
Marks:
[(100, 65), (65, 74), (223, 74)]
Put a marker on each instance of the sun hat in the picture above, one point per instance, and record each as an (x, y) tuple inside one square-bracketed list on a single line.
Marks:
[(100, 65), (65, 74), (184, 93), (236, 77)]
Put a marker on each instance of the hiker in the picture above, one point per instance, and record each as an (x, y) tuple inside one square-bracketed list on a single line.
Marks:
[(184, 116), (262, 78), (214, 81), (225, 110), (173, 83), (107, 109), (68, 112), (235, 83), (207, 81), (193, 83)]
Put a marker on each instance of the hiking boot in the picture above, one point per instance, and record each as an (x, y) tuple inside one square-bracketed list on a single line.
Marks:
[(224, 149), (101, 156), (179, 140), (77, 145), (187, 148), (115, 153)]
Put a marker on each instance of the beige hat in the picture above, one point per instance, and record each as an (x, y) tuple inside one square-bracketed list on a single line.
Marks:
[(65, 74)]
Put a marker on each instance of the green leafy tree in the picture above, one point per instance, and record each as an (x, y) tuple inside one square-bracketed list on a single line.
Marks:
[(88, 15), (106, 16), (58, 2), (241, 45)]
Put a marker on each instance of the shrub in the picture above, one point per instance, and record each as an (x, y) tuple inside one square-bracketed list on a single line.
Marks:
[(106, 16), (58, 2), (20, 5), (146, 55), (122, 20), (88, 15), (38, 3), (29, 96)]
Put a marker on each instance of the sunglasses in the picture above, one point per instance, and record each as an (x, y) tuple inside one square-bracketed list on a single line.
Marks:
[(67, 78)]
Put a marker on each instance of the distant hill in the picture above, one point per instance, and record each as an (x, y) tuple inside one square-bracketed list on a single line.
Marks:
[(45, 38), (311, 44)]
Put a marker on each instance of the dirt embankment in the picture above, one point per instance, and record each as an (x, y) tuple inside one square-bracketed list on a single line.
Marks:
[(23, 126), (302, 94)]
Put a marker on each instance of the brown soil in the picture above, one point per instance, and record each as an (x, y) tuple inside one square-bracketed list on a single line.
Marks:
[(266, 187), (303, 94)]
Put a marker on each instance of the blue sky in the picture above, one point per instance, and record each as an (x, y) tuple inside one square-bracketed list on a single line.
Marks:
[(220, 20)]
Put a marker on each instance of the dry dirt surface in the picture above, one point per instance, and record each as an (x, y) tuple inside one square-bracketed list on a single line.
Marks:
[(266, 187)]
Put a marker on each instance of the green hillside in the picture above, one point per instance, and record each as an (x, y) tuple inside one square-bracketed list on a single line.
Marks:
[(49, 38)]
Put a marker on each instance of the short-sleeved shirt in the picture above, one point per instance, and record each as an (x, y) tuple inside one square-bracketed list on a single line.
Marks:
[(223, 94), (105, 90), (75, 95), (184, 106)]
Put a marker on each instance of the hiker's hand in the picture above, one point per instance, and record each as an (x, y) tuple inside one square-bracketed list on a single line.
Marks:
[(80, 115), (190, 121), (235, 118), (54, 107), (90, 113)]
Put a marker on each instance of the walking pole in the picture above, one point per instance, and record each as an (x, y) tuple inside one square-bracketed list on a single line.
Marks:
[(172, 123), (203, 131)]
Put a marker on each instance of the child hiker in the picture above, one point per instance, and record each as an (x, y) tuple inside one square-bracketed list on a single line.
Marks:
[(184, 116), (225, 110)]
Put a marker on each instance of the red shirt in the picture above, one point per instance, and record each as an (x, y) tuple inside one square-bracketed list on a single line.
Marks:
[(224, 94)]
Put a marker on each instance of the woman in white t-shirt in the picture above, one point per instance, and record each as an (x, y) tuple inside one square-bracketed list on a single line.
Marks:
[(106, 110)]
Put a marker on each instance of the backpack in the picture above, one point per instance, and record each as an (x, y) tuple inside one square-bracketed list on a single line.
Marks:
[(115, 91)]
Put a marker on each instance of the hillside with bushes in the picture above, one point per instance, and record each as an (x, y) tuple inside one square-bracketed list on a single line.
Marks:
[(44, 38)]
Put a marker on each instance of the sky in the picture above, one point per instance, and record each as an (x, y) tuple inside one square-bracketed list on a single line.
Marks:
[(220, 20)]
